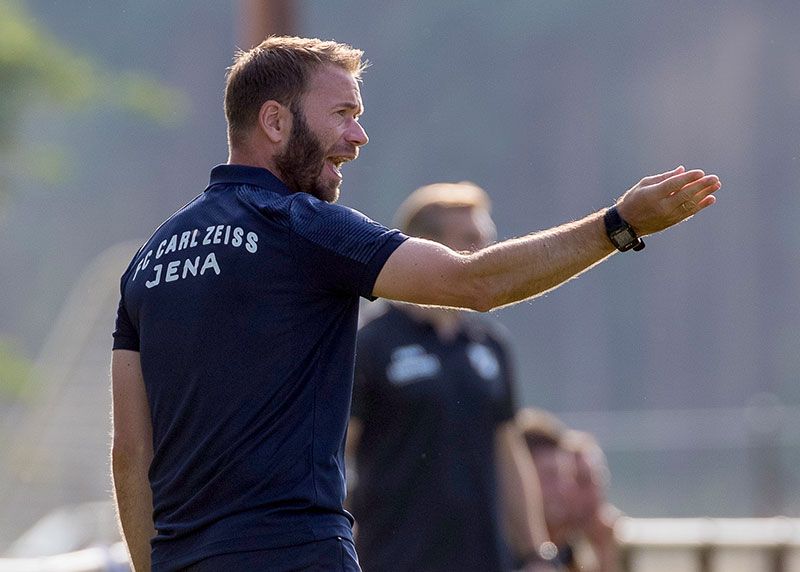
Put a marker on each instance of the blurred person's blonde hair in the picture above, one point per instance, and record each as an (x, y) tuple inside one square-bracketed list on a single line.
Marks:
[(279, 69), (540, 428), (419, 214)]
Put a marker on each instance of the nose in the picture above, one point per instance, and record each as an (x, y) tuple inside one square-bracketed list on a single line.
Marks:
[(356, 134)]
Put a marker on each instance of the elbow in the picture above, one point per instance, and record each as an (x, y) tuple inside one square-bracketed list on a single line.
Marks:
[(463, 283), (478, 294), (482, 305)]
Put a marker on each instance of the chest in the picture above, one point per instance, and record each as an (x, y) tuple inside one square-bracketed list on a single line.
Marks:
[(460, 371)]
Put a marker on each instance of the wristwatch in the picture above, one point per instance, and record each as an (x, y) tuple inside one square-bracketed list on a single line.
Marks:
[(620, 233)]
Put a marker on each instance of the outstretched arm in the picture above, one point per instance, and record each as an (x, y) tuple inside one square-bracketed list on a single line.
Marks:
[(425, 272), (131, 455)]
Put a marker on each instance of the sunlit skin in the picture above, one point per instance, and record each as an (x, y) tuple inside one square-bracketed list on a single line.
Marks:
[(325, 134), (305, 143), (464, 229), (557, 473), (589, 494), (591, 514)]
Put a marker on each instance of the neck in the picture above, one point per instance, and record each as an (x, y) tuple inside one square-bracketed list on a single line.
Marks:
[(445, 321), (243, 155)]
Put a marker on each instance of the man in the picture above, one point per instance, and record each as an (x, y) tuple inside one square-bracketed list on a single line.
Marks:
[(433, 421), (234, 346), (572, 472), (592, 516), (555, 472)]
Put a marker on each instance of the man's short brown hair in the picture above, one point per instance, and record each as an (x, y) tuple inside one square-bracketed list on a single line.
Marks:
[(278, 69)]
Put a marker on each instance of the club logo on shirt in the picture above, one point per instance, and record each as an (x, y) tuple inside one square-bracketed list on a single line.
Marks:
[(193, 266), (483, 361), (412, 363)]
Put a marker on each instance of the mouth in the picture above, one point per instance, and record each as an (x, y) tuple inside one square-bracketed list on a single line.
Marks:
[(335, 163)]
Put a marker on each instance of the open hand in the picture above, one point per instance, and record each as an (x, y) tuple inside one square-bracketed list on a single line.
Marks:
[(660, 201)]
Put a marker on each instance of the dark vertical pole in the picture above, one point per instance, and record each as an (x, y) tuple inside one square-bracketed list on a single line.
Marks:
[(261, 18), (778, 558), (765, 416), (626, 557), (704, 554)]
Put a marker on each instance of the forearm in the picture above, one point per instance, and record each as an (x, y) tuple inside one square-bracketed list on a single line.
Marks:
[(526, 267), (131, 455), (134, 502), (424, 272)]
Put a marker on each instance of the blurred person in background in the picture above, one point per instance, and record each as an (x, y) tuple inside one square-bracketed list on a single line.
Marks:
[(235, 335), (573, 475), (555, 471), (432, 426), (592, 515)]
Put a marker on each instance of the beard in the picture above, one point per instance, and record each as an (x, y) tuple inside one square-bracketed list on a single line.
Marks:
[(301, 163)]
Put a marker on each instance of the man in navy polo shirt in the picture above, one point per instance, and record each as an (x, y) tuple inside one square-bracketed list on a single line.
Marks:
[(234, 345)]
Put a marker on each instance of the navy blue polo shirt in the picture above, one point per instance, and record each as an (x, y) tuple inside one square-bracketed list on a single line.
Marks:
[(427, 495), (244, 306)]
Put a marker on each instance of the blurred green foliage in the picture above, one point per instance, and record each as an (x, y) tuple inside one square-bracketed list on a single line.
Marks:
[(39, 72), (35, 69), (15, 372)]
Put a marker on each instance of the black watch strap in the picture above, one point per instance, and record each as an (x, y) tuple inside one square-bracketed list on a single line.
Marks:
[(620, 233)]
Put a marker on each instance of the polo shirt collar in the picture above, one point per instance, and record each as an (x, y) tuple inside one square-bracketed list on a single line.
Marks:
[(469, 328), (247, 175)]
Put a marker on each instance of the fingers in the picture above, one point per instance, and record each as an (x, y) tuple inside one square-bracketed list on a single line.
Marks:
[(676, 196), (689, 192), (654, 179), (696, 196), (680, 181), (704, 198)]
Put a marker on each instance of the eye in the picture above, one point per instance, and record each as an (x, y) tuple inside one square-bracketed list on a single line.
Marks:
[(348, 113)]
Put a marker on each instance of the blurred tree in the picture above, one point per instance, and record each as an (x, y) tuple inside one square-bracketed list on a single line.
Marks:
[(15, 372), (35, 69)]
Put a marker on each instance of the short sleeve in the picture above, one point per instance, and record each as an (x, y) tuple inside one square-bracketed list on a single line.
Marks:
[(125, 335), (338, 248)]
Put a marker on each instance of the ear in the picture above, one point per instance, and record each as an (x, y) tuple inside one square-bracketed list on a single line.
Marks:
[(275, 120)]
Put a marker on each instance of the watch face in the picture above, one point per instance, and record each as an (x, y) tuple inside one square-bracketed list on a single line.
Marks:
[(622, 237)]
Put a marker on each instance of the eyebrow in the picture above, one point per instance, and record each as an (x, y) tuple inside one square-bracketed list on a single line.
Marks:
[(350, 105)]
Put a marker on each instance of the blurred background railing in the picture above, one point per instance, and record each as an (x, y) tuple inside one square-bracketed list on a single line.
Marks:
[(648, 545), (710, 545)]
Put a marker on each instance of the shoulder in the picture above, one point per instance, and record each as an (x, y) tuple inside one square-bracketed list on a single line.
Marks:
[(309, 211), (155, 236), (339, 229)]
